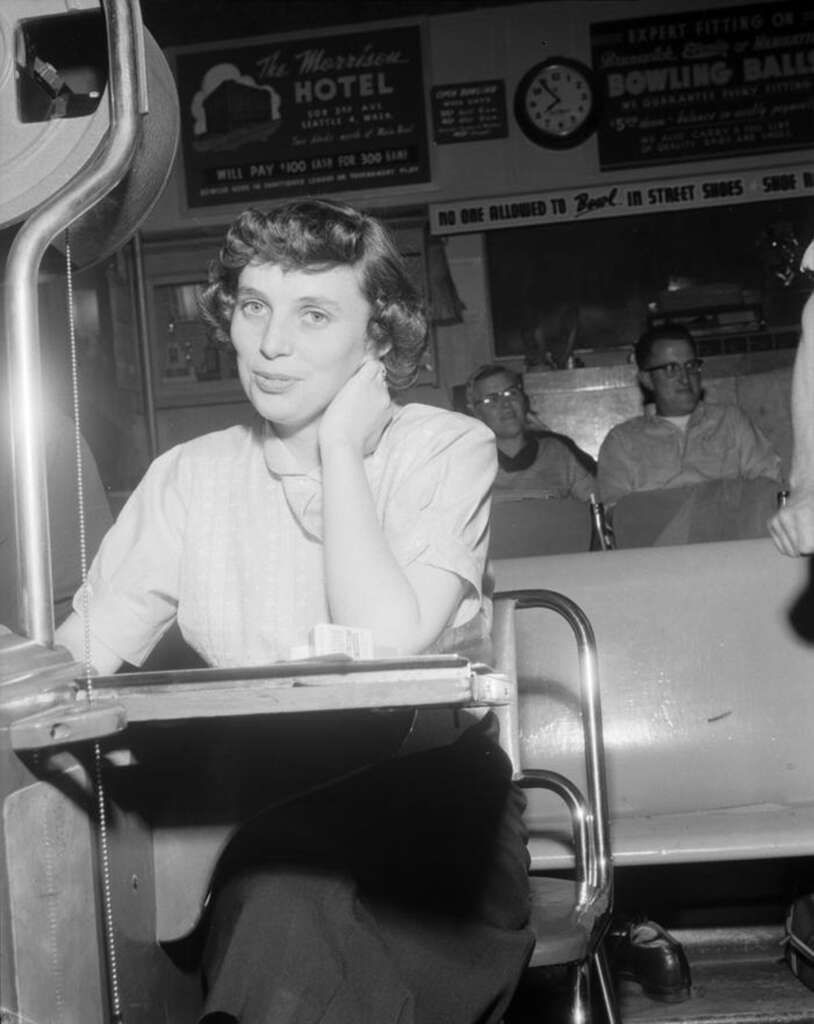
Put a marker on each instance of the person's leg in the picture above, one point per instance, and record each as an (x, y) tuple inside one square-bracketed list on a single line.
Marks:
[(287, 946), (456, 927)]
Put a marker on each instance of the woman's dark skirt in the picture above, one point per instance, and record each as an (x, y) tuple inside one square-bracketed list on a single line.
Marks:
[(398, 895)]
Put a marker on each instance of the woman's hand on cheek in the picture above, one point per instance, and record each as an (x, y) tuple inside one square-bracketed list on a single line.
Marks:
[(359, 412)]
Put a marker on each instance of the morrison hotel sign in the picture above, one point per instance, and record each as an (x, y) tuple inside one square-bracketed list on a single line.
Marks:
[(280, 117), (557, 205)]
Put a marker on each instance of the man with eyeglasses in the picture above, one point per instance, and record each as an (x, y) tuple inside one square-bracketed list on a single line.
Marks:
[(682, 439), (532, 460)]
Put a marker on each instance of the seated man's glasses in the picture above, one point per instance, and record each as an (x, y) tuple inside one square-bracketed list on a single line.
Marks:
[(495, 396), (691, 368)]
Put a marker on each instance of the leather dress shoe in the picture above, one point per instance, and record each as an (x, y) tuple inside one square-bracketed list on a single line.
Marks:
[(644, 952)]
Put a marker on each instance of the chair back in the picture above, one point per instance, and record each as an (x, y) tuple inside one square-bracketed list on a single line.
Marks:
[(698, 513), (706, 659), (526, 526)]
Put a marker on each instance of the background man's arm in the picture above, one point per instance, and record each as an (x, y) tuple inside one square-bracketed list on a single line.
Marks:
[(614, 469), (792, 528)]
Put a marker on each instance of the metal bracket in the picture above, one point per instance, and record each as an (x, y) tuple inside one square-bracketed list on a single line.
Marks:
[(59, 726)]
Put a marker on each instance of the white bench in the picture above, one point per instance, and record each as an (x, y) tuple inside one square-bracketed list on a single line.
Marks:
[(708, 699)]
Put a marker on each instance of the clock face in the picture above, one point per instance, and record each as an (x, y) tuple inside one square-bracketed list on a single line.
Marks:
[(555, 103)]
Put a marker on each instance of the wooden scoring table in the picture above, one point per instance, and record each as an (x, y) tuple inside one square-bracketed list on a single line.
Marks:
[(319, 684)]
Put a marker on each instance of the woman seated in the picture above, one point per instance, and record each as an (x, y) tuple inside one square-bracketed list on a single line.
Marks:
[(400, 893)]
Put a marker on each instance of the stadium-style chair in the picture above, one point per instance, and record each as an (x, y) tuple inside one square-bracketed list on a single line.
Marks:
[(712, 511), (539, 526)]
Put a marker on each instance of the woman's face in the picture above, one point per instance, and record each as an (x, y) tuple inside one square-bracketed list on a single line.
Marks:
[(299, 336)]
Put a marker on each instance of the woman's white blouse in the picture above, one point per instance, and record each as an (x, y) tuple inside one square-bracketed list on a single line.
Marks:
[(225, 533)]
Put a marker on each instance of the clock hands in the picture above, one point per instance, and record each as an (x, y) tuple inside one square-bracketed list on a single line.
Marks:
[(555, 96)]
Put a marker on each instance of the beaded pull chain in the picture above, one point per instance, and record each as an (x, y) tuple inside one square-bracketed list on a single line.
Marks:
[(98, 781)]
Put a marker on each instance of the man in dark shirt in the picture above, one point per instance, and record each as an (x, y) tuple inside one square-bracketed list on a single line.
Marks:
[(533, 461)]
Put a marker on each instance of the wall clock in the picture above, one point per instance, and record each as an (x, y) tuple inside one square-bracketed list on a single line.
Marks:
[(556, 103)]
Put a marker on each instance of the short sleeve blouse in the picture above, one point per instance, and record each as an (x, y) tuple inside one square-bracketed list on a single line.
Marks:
[(225, 533)]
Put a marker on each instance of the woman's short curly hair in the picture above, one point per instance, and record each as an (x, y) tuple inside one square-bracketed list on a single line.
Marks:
[(319, 234)]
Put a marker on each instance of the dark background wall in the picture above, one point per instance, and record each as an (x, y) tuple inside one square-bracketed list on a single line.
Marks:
[(178, 22)]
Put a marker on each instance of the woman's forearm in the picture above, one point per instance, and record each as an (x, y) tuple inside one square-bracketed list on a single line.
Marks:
[(71, 635), (366, 587)]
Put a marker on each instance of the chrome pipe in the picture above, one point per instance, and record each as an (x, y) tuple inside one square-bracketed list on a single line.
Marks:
[(99, 177), (541, 778), (589, 686)]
